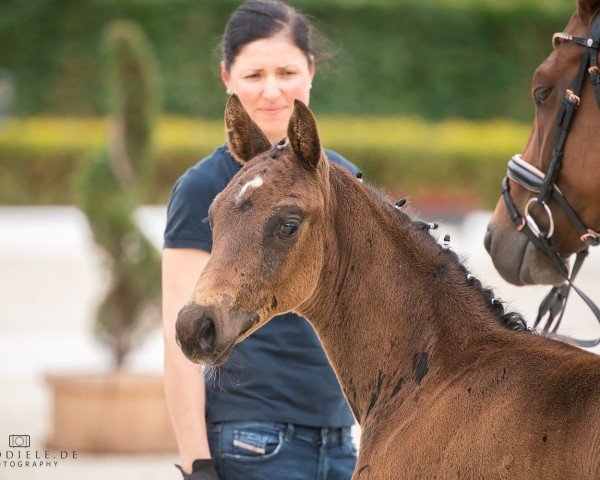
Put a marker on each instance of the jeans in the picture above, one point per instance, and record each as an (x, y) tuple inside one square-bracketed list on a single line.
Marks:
[(281, 451)]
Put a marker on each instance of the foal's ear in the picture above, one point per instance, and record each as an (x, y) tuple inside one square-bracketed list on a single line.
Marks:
[(246, 140), (587, 8), (303, 135)]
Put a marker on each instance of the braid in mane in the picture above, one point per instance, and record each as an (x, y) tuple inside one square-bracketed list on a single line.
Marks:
[(510, 320)]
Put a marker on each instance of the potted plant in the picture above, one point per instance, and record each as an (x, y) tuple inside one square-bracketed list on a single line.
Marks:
[(119, 411)]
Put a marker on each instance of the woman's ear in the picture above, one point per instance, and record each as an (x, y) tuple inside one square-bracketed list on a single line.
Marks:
[(225, 75)]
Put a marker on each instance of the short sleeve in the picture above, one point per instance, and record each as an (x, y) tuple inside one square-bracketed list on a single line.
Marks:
[(187, 212)]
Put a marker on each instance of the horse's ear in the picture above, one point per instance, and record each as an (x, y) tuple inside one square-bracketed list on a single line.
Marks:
[(587, 8), (303, 135), (245, 138)]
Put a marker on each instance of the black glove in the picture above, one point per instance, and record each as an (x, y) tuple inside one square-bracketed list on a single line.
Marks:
[(201, 470)]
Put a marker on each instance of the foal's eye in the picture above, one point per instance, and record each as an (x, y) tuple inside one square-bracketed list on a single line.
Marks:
[(541, 94), (289, 228)]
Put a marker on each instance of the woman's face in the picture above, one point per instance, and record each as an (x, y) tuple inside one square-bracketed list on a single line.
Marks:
[(268, 75)]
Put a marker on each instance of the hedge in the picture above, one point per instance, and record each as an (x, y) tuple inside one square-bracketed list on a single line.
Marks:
[(432, 58), (408, 156)]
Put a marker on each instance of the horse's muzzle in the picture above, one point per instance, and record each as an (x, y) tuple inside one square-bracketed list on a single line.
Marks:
[(518, 260), (207, 334)]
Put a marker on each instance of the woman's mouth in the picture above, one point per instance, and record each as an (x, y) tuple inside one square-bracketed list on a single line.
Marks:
[(271, 110)]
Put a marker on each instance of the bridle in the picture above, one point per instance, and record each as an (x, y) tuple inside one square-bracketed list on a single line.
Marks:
[(545, 187)]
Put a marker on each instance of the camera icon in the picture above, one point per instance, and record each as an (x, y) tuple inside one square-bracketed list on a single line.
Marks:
[(18, 441)]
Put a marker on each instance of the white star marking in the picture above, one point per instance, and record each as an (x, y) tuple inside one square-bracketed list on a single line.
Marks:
[(254, 183)]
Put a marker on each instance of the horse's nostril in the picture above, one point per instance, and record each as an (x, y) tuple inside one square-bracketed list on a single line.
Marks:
[(206, 334), (487, 241)]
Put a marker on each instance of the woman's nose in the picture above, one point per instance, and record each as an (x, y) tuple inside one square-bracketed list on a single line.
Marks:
[(271, 90)]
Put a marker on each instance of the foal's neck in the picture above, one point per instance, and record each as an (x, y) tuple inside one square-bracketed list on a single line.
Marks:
[(390, 307)]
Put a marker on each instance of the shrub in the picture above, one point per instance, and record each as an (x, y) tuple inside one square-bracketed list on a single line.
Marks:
[(109, 187), (39, 155), (432, 58)]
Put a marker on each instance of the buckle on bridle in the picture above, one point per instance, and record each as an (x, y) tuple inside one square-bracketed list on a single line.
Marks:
[(560, 36), (531, 221), (590, 234), (571, 98)]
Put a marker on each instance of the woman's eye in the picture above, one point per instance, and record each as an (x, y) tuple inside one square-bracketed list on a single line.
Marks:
[(289, 228), (541, 94)]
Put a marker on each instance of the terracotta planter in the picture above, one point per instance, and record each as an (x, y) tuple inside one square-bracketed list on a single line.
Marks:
[(112, 413)]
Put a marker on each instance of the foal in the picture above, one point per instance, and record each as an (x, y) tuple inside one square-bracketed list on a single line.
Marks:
[(443, 383)]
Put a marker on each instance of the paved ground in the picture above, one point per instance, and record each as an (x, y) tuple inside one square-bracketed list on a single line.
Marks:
[(51, 278)]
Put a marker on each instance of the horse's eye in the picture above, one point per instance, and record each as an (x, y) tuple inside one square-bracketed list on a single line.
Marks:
[(289, 228), (541, 94)]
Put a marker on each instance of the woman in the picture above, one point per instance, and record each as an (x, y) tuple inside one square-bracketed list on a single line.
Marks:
[(275, 409)]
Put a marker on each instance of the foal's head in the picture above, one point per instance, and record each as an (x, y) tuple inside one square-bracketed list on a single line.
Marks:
[(268, 236)]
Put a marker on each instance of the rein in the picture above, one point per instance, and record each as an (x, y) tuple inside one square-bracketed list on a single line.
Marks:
[(532, 179)]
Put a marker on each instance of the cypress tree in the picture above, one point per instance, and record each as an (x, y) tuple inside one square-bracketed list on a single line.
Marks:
[(110, 187)]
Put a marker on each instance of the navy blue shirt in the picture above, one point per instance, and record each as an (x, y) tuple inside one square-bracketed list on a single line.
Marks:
[(280, 373)]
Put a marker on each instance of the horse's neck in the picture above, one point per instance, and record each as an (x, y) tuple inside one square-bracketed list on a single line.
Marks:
[(381, 306)]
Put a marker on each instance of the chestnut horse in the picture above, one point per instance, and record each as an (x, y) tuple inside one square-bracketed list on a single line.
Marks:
[(519, 257), (443, 383)]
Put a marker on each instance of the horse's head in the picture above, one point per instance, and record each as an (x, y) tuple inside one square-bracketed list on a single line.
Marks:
[(267, 236), (514, 255)]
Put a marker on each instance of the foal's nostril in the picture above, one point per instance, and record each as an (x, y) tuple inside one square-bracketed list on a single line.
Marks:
[(205, 334)]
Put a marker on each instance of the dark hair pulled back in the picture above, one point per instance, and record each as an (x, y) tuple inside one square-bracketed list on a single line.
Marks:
[(258, 19)]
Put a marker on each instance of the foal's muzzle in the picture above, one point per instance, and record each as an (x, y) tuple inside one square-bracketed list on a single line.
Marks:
[(207, 334)]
